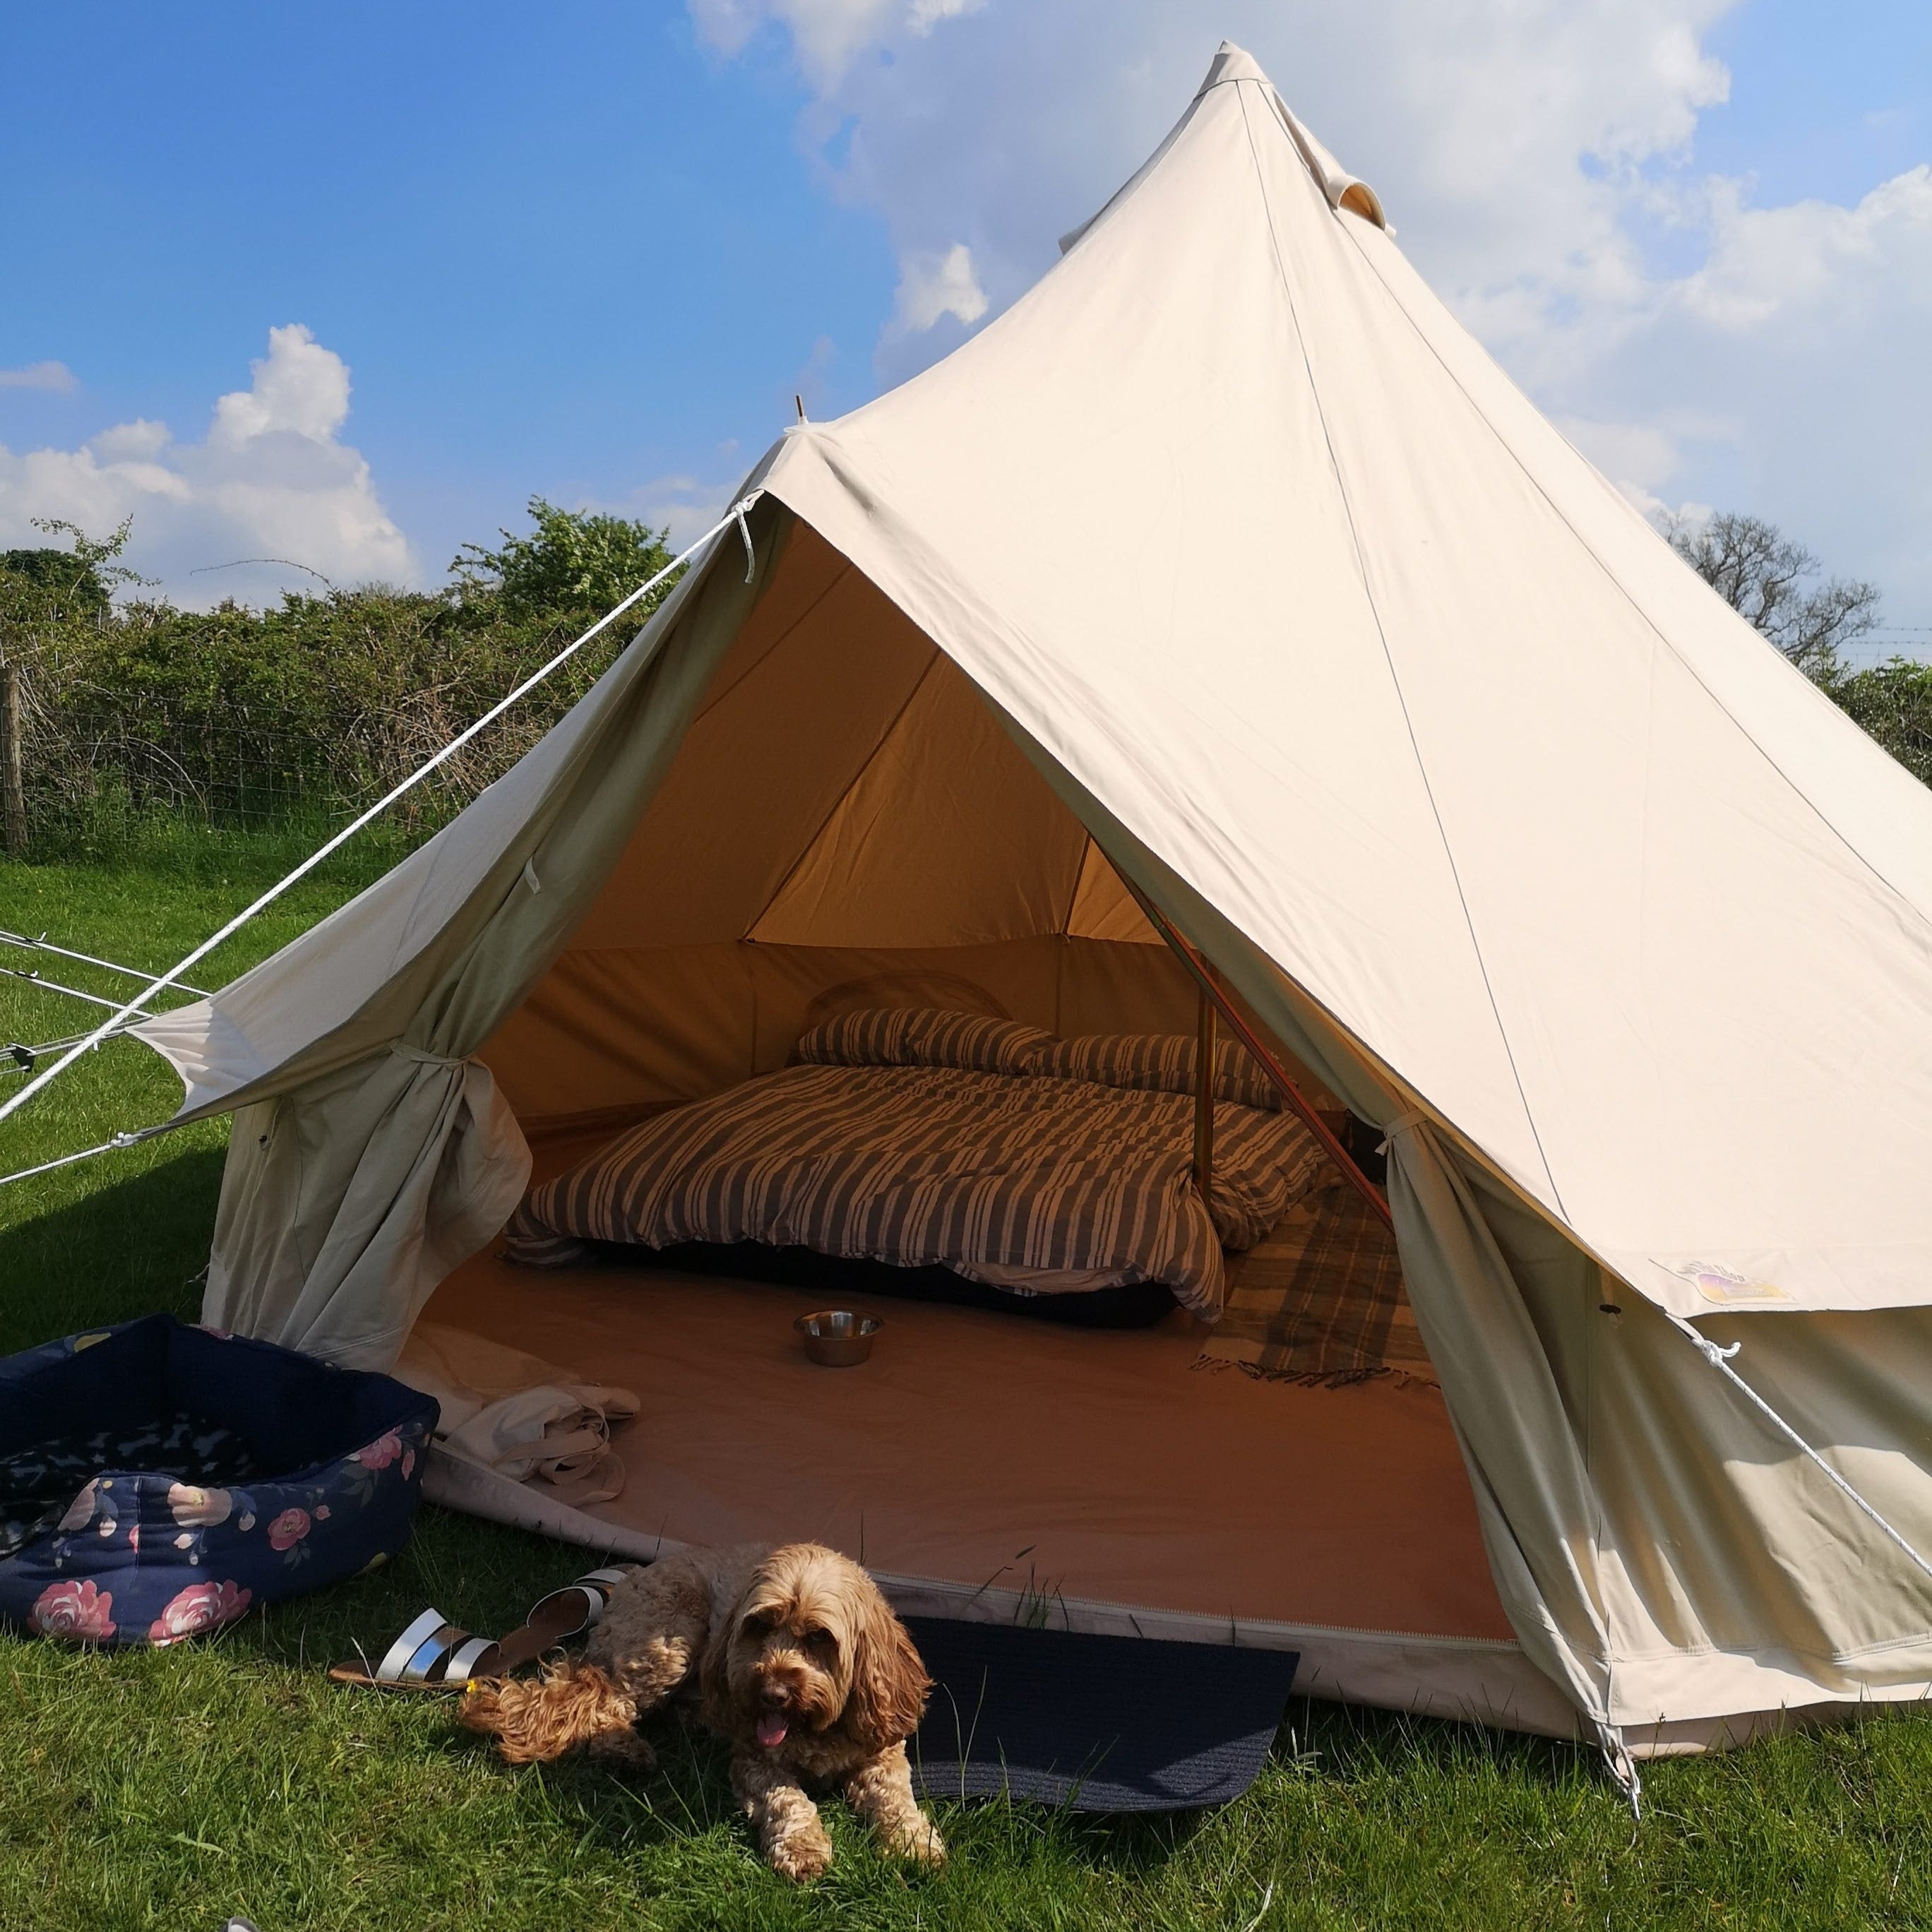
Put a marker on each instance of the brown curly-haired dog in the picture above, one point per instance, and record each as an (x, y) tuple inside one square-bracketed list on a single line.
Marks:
[(798, 1661)]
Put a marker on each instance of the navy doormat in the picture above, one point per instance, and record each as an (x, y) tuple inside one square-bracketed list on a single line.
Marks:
[(1097, 1723)]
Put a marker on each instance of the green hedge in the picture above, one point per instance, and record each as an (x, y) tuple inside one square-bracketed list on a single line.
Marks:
[(313, 708), (1893, 701)]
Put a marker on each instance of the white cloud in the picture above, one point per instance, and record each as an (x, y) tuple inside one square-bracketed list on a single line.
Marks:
[(922, 16), (825, 34), (299, 386), (55, 376), (1539, 158), (1687, 515), (684, 507), (1804, 260), (933, 283), (1013, 124), (1789, 371), (272, 479), (1639, 455)]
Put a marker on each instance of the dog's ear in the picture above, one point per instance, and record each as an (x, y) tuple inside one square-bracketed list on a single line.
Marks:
[(889, 1681)]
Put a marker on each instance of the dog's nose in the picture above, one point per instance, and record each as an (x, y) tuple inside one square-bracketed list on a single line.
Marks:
[(775, 1696)]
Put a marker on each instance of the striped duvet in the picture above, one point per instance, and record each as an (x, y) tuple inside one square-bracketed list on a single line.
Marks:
[(922, 1165)]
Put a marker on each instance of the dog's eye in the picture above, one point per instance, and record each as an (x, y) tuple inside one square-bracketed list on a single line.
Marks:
[(755, 1627), (817, 1639)]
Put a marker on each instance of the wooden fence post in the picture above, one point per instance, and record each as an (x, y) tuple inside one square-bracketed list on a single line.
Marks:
[(13, 790)]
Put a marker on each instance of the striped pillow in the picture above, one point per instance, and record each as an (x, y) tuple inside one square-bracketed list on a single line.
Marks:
[(921, 1036), (1162, 1063)]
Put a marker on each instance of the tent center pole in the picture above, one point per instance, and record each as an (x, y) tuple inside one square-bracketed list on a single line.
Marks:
[(1204, 1101), (1298, 1103)]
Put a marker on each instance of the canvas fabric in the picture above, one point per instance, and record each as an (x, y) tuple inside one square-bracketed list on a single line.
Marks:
[(1408, 692), (526, 1419), (381, 1163)]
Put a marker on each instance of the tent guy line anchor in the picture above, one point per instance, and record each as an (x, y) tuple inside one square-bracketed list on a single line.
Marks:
[(735, 514), (24, 1057)]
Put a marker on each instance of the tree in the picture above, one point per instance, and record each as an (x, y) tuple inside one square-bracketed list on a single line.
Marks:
[(573, 561), (41, 591), (1764, 576)]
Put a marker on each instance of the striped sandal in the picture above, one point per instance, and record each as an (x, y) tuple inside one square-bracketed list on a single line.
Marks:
[(434, 1654), (570, 1612)]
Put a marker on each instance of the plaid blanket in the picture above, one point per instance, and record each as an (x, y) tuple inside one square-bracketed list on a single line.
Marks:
[(1319, 1299)]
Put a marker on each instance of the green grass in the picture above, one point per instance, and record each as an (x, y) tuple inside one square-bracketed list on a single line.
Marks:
[(165, 1789)]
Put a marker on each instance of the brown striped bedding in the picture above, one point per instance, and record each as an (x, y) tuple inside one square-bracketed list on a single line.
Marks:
[(920, 1164)]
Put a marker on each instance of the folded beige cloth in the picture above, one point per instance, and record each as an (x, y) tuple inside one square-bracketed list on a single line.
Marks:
[(516, 1414)]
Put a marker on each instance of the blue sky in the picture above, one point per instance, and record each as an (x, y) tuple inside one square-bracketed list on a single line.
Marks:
[(591, 250), (560, 249)]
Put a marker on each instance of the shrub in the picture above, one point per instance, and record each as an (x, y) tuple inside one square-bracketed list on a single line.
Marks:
[(1893, 702), (318, 705)]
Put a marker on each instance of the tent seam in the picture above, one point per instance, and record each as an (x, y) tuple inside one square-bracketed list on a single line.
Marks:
[(777, 644), (1650, 623), (851, 785), (1388, 657), (1079, 873)]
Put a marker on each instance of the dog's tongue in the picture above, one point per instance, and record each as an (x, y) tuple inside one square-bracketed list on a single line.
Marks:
[(771, 1731)]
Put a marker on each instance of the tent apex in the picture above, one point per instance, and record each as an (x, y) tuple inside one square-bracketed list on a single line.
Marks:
[(1232, 63)]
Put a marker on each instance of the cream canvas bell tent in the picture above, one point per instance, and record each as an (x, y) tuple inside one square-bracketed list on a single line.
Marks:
[(1225, 567)]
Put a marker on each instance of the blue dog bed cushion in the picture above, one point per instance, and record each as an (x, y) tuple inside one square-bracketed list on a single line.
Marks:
[(156, 1480)]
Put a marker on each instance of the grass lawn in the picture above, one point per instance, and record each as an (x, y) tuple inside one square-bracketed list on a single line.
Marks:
[(166, 1789)]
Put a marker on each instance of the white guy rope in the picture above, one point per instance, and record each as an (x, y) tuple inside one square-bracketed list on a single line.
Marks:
[(33, 976), (88, 1153), (1720, 1359), (735, 514), (44, 944)]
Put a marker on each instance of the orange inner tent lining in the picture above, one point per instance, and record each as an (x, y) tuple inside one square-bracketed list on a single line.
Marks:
[(847, 825)]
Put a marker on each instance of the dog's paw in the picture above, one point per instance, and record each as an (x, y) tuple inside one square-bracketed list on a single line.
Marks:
[(803, 1852), (623, 1750), (919, 1842)]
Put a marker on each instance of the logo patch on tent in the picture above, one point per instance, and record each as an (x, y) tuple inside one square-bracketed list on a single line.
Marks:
[(1723, 1285)]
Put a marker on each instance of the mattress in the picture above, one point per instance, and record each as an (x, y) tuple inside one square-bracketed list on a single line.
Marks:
[(1043, 1182)]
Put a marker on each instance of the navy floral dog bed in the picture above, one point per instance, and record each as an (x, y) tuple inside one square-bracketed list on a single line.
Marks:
[(158, 1481)]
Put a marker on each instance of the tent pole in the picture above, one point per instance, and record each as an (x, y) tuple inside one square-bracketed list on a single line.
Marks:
[(1204, 1101), (1297, 1101)]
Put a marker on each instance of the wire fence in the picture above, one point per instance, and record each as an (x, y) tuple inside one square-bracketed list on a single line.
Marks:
[(244, 720), (91, 759)]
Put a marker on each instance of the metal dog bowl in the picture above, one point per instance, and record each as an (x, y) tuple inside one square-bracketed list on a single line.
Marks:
[(838, 1338)]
